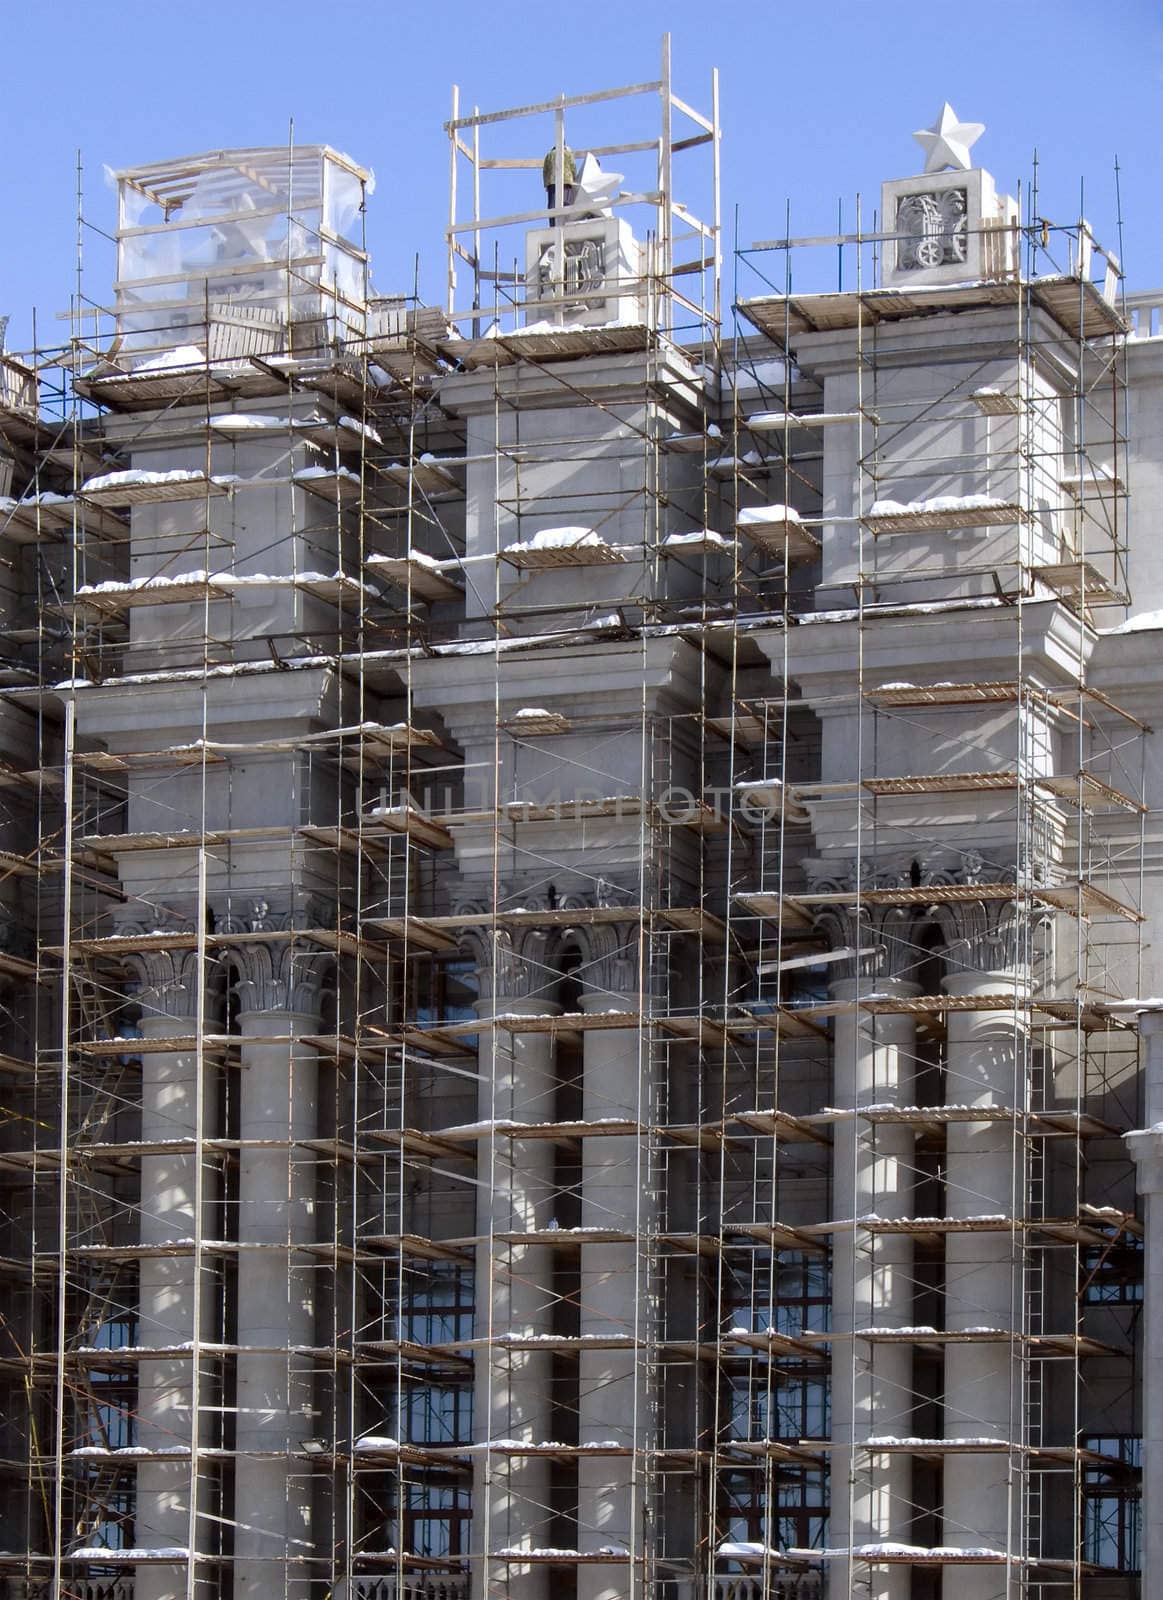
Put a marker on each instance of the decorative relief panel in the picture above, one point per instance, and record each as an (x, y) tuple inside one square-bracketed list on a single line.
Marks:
[(584, 268), (933, 229), (596, 277)]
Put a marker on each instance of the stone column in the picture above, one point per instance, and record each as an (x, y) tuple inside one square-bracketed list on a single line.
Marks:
[(872, 1284), (279, 993), (618, 1192), (1146, 1149), (512, 1396), (175, 1096), (984, 1177)]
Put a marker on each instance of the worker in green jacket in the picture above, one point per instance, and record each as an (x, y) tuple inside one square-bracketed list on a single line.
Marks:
[(549, 178)]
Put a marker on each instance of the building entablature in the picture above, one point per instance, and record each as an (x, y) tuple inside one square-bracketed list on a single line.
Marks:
[(992, 334), (664, 375), (967, 644), (178, 426), (262, 704), (463, 688)]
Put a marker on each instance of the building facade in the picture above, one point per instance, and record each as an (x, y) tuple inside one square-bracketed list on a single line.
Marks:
[(580, 877)]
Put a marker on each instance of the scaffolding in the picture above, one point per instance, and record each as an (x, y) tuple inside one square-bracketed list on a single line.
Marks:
[(983, 910), (520, 1080)]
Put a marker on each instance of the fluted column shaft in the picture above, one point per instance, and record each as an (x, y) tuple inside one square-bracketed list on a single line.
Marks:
[(983, 1283), (276, 1304), (176, 1096), (614, 1401), (872, 1286), (514, 1290)]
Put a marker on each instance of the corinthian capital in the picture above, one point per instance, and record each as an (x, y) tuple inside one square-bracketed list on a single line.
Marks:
[(883, 939), (511, 962), (986, 936), (278, 974), (609, 957), (168, 981)]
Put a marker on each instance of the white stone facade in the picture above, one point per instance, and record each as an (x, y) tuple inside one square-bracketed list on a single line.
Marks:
[(586, 1042)]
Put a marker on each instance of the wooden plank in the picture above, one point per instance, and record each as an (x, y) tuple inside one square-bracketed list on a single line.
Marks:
[(195, 486), (943, 520), (1075, 304), (1089, 793), (429, 477), (775, 907), (419, 932), (1079, 581), (943, 694), (415, 577), (778, 421), (783, 536), (113, 598), (561, 344), (532, 559), (996, 402), (534, 724), (941, 783), (340, 486)]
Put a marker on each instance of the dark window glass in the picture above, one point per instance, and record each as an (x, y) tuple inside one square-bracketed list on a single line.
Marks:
[(1112, 1506), (1112, 1275)]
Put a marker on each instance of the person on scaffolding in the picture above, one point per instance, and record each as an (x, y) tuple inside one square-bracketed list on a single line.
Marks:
[(549, 178)]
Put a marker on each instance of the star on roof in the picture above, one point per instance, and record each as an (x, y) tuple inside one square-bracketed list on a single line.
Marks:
[(947, 143)]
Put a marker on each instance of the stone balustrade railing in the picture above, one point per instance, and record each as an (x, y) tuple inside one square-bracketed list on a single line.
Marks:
[(442, 1586), (1145, 310), (365, 1586), (420, 1586), (72, 1588), (746, 1586)]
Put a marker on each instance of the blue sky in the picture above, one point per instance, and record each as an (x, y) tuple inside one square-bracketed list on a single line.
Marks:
[(818, 101)]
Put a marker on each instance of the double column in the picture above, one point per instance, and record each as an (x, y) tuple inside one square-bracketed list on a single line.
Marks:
[(515, 1291), (616, 1293), (176, 1291), (872, 1285), (985, 1179), (1146, 1150), (279, 994), (513, 1397)]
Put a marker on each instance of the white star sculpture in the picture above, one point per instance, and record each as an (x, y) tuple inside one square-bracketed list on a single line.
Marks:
[(947, 142)]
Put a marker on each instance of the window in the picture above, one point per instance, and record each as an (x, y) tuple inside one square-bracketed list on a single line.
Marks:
[(445, 992), (794, 1407), (111, 1411), (418, 1411), (790, 1296), (437, 1518), (801, 1518), (112, 1525), (742, 1512), (1112, 1505), (433, 1305), (1112, 1275), (798, 1520), (437, 1414), (437, 1309), (111, 1402), (808, 986)]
